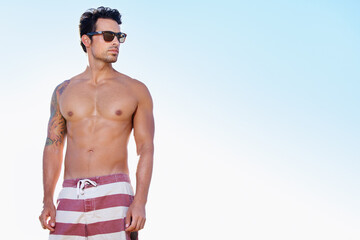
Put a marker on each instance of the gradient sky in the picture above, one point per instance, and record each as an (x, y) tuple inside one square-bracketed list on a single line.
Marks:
[(256, 108)]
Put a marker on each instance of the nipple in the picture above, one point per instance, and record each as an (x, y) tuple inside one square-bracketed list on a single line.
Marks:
[(70, 113), (118, 112)]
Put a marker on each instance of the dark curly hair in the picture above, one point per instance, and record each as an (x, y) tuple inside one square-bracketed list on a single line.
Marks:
[(89, 18)]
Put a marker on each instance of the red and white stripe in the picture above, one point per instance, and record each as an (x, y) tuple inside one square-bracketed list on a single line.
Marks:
[(99, 213)]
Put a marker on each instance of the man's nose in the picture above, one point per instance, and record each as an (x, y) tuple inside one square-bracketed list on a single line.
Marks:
[(115, 41)]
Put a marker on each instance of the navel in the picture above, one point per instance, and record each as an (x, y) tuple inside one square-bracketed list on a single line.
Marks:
[(118, 112), (70, 113)]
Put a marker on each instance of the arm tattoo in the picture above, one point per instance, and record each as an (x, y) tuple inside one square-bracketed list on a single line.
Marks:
[(57, 123)]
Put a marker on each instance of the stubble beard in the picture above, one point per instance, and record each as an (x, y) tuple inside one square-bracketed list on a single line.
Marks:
[(110, 59), (106, 57)]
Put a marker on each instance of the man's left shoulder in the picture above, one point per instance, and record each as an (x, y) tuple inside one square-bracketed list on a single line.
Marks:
[(140, 86), (137, 85), (131, 81)]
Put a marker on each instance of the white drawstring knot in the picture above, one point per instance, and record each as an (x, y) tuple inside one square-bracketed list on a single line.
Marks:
[(81, 185)]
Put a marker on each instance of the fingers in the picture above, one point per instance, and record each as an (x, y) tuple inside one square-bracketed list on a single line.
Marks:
[(132, 225), (142, 224), (48, 226), (137, 224), (43, 220), (128, 218), (46, 213), (52, 219)]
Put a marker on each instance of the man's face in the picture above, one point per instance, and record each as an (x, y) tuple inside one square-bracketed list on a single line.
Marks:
[(101, 50)]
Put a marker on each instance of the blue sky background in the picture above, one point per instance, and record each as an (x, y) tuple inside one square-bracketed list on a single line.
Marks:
[(256, 107)]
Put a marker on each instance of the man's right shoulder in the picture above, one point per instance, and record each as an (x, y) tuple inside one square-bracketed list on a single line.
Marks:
[(63, 85), (59, 89)]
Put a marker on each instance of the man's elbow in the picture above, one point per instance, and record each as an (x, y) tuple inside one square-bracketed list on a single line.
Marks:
[(145, 149)]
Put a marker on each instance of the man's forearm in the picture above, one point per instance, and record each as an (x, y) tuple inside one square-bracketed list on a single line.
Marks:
[(143, 175), (52, 161)]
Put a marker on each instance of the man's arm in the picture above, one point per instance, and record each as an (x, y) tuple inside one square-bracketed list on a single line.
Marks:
[(52, 157), (143, 123)]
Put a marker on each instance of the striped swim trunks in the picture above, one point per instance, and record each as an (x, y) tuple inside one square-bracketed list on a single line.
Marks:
[(94, 208)]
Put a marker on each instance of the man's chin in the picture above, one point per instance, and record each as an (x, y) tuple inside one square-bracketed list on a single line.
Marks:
[(111, 60)]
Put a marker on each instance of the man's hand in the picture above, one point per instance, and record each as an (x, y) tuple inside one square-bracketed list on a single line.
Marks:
[(135, 217), (49, 210)]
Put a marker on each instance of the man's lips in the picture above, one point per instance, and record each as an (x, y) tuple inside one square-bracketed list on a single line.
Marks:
[(114, 50)]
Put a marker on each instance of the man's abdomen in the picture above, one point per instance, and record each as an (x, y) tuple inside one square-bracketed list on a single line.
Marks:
[(96, 158)]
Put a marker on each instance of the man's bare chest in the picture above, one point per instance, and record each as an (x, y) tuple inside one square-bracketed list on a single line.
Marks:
[(112, 101)]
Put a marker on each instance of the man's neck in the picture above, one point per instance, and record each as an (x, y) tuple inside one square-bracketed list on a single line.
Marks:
[(98, 71)]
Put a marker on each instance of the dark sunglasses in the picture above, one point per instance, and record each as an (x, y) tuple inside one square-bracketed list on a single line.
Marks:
[(109, 35)]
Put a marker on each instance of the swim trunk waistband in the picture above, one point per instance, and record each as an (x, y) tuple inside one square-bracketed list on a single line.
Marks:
[(100, 180)]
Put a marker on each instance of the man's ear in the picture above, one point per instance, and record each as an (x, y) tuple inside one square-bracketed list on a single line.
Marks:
[(86, 40)]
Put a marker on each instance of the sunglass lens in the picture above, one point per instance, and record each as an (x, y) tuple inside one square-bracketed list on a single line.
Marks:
[(121, 38), (108, 37)]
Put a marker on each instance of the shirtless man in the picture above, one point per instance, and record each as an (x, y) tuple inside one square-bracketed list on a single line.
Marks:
[(96, 112)]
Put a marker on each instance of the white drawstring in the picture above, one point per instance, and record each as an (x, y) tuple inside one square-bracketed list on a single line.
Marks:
[(81, 185)]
